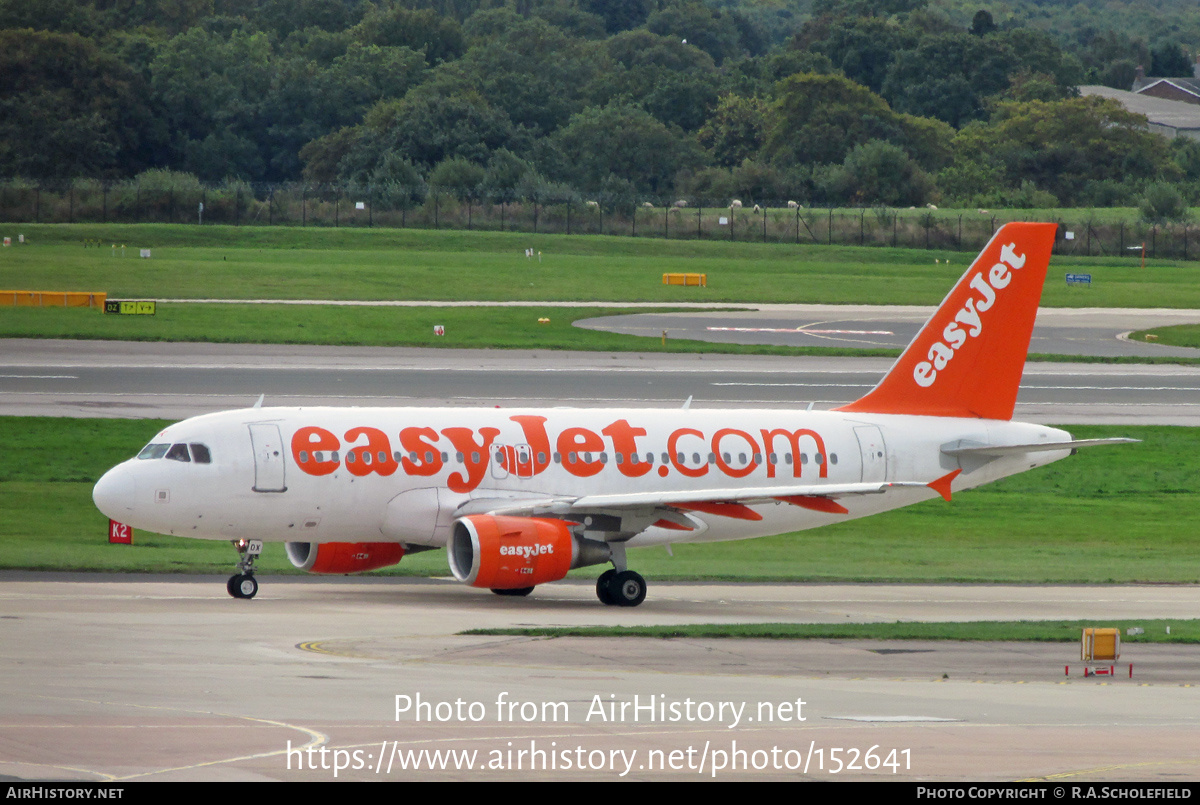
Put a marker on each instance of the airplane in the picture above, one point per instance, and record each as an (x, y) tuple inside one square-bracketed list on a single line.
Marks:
[(519, 497)]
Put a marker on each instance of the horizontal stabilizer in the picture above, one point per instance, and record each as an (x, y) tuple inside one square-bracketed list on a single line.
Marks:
[(1015, 449)]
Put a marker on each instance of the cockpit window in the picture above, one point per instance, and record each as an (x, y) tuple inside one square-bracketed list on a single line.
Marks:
[(178, 452), (199, 453)]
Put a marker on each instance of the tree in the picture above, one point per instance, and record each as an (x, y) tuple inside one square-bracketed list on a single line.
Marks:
[(626, 142), (818, 119), (213, 88), (1061, 146), (877, 172), (709, 29), (1162, 203), (861, 47), (676, 83), (67, 110), (1168, 58), (503, 175), (425, 31), (459, 176), (427, 127), (982, 23), (533, 71), (736, 130), (619, 15)]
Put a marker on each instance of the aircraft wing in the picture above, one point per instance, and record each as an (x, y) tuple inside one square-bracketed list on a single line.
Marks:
[(730, 502)]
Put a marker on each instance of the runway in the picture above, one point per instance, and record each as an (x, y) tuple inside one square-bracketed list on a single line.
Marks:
[(176, 380), (167, 678)]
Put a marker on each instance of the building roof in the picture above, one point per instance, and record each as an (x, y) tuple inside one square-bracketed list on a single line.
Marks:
[(1190, 86), (1169, 118)]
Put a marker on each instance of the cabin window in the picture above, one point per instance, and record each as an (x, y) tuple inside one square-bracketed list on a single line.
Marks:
[(558, 458), (833, 458), (179, 452), (695, 458), (303, 457), (820, 459)]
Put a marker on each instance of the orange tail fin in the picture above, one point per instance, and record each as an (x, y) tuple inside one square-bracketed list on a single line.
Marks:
[(968, 359)]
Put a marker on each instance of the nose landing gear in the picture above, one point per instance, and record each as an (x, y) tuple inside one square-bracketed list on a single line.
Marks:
[(243, 584)]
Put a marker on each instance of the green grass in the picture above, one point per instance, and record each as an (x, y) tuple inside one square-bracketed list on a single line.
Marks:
[(290, 263), (1155, 631), (1181, 335), (465, 327), (1121, 514)]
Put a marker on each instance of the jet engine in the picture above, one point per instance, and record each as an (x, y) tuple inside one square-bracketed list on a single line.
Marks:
[(517, 553), (344, 557)]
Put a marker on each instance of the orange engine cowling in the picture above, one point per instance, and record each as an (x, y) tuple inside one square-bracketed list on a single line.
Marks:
[(509, 553), (344, 557)]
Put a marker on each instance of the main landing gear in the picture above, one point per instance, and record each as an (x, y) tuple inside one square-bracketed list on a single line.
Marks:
[(243, 584), (619, 586)]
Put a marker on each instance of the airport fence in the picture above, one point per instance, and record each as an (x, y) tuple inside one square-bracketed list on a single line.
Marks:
[(182, 200)]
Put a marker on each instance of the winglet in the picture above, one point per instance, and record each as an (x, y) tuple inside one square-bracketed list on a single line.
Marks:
[(968, 358), (942, 485)]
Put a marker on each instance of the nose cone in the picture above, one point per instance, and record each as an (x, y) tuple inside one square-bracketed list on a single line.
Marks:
[(114, 493)]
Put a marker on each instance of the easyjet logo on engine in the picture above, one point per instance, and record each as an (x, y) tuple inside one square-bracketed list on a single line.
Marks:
[(969, 315), (526, 551), (579, 451)]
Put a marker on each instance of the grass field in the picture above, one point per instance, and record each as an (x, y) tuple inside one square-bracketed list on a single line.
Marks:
[(1106, 515), (465, 327), (1183, 335), (1154, 631), (282, 263)]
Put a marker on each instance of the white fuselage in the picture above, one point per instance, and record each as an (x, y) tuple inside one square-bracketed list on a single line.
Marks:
[(405, 474)]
